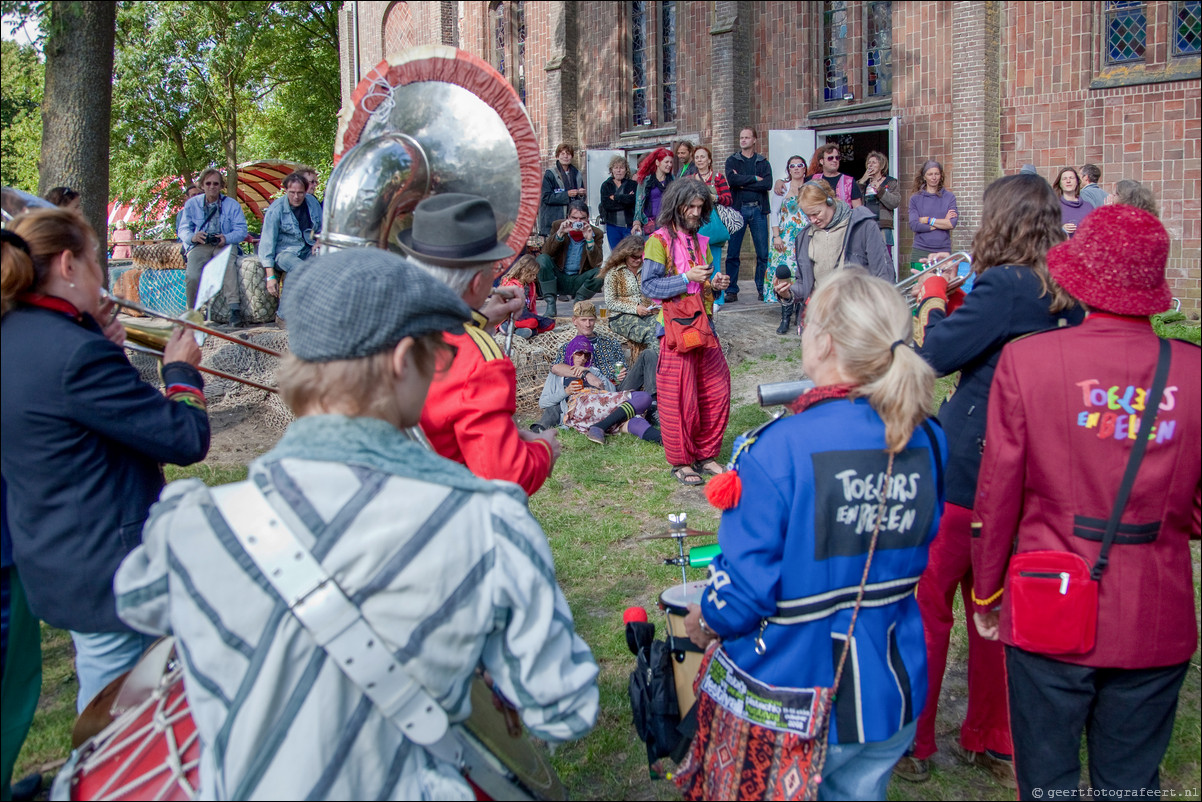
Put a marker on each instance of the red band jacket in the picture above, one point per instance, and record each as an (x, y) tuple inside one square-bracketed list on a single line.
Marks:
[(1063, 415), (468, 415)]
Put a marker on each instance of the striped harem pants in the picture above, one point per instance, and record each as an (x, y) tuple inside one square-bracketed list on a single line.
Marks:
[(694, 403)]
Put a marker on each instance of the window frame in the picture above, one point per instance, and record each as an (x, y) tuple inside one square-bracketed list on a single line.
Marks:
[(1161, 62), (1174, 23), (866, 47), (1111, 11), (668, 117), (856, 68)]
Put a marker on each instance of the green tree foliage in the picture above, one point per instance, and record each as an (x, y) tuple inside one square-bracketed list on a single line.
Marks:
[(219, 83), (22, 76), (298, 115)]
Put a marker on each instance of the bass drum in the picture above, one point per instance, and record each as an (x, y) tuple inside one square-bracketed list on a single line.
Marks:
[(151, 749)]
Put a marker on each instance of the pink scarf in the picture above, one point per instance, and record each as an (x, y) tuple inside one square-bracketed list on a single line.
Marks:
[(683, 253)]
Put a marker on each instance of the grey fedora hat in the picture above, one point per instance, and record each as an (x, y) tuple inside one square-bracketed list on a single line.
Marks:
[(454, 230)]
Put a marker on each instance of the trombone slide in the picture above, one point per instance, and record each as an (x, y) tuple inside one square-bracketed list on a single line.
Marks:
[(185, 322), (143, 349)]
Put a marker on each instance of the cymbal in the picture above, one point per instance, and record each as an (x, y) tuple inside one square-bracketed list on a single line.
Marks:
[(675, 533)]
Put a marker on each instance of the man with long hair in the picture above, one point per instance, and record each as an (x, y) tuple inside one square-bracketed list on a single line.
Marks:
[(694, 384)]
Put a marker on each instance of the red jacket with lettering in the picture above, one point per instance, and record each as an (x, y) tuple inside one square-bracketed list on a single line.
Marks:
[(1060, 429), (468, 415)]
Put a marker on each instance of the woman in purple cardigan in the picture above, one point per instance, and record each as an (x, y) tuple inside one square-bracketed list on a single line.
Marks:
[(1073, 208), (932, 213)]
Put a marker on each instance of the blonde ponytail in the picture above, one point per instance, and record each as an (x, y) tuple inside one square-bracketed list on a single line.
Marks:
[(870, 326)]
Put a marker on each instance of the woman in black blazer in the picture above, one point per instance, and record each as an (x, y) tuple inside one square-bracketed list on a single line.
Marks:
[(84, 437)]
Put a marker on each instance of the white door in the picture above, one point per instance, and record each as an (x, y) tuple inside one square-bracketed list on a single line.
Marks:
[(596, 170), (894, 161), (783, 144)]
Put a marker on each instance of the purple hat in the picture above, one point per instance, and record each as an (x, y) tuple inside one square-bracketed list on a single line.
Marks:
[(1115, 262), (576, 345)]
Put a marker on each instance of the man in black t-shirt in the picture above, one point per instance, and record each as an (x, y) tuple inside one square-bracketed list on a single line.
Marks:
[(289, 230)]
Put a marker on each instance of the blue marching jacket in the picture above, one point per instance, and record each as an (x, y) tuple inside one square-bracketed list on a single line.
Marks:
[(793, 553)]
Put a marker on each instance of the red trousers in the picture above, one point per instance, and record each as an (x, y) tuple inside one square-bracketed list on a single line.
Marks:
[(987, 723), (694, 403)]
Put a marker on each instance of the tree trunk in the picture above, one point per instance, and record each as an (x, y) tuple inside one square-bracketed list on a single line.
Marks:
[(231, 142), (77, 106)]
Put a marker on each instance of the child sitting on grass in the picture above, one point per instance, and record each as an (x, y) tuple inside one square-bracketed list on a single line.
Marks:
[(524, 276)]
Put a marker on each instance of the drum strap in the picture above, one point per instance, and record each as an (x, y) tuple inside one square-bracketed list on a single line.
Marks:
[(338, 627)]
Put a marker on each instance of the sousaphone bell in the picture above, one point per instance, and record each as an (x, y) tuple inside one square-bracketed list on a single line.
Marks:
[(433, 119)]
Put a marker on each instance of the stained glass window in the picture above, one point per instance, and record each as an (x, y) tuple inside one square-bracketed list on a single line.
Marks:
[(638, 61), (497, 18), (519, 33), (834, 54), (1126, 31), (668, 58), (878, 50), (1187, 28)]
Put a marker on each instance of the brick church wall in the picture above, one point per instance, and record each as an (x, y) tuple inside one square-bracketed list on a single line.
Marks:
[(1052, 118), (983, 87)]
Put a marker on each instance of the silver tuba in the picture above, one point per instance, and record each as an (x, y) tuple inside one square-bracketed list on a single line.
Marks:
[(429, 120)]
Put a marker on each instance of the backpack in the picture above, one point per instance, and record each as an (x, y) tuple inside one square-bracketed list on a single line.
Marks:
[(653, 695)]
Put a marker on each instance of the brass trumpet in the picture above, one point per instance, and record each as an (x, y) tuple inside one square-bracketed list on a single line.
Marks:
[(906, 285)]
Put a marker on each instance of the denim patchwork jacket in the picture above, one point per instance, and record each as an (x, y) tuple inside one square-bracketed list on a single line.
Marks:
[(281, 232)]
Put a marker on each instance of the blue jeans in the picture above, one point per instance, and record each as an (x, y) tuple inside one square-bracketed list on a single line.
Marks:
[(756, 222), (101, 657), (862, 771), (288, 261), (615, 234)]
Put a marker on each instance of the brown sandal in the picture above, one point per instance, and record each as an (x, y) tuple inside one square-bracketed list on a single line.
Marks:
[(710, 466), (687, 476)]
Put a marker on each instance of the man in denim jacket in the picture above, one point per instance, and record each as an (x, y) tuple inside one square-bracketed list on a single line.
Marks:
[(289, 228), (210, 222)]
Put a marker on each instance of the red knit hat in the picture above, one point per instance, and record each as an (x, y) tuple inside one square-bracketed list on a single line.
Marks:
[(1116, 261)]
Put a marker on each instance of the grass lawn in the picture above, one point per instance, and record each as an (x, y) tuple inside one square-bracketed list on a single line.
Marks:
[(597, 502)]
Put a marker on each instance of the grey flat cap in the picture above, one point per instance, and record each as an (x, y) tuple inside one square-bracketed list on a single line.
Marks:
[(360, 301)]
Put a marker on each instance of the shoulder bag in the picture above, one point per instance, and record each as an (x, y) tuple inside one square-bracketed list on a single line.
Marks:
[(1052, 596), (686, 326), (730, 218)]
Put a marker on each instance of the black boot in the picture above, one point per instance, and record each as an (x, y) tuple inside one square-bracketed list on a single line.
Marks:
[(236, 317), (551, 310), (786, 317)]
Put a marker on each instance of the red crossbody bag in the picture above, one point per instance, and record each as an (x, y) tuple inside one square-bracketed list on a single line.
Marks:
[(686, 326)]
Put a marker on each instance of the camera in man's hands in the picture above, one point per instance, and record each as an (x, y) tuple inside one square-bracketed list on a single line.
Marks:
[(212, 239), (578, 225)]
